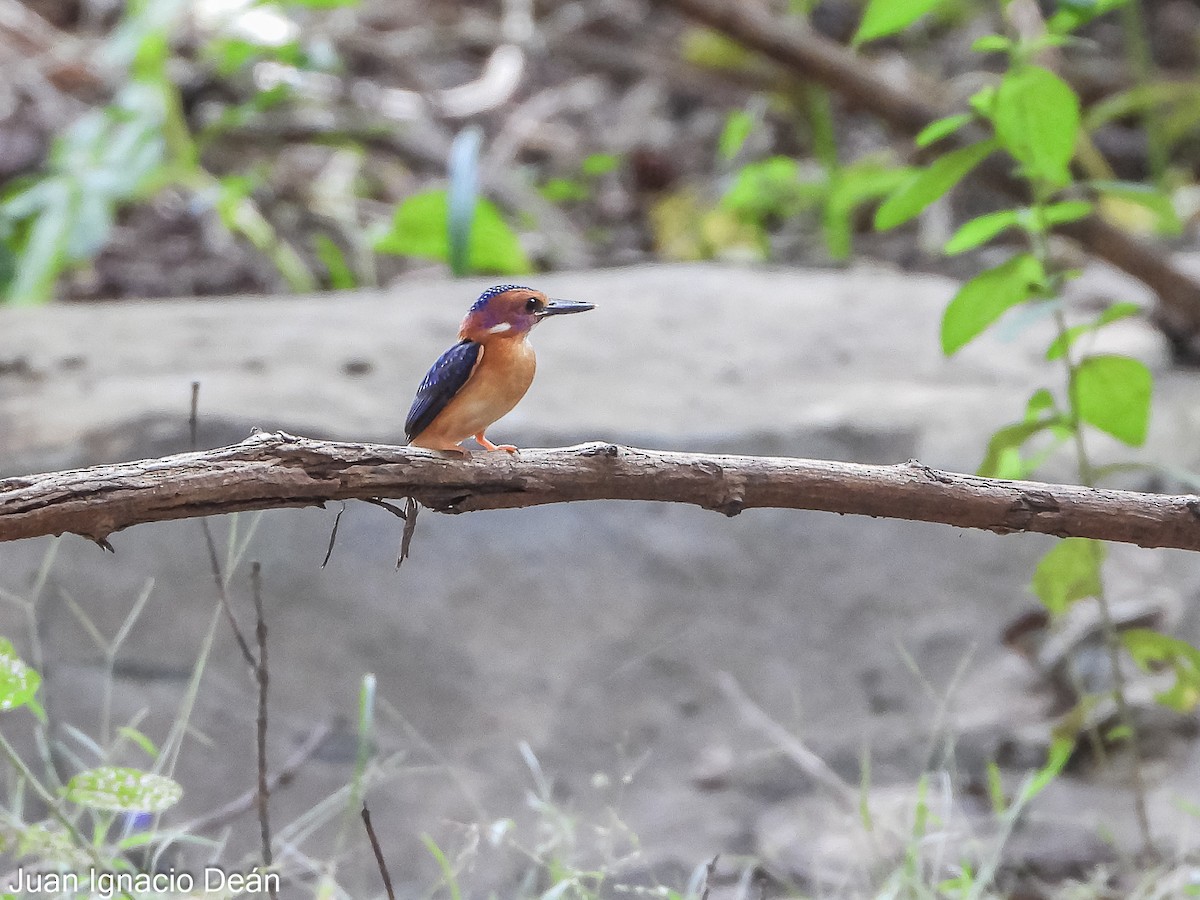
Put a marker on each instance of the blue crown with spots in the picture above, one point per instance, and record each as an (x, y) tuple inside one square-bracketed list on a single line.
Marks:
[(493, 291)]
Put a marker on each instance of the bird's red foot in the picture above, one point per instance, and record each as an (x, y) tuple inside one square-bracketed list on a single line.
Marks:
[(488, 445)]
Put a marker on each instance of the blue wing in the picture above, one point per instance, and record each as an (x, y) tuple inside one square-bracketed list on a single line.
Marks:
[(441, 383)]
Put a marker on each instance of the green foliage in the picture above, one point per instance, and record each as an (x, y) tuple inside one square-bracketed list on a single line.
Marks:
[(771, 188), (1003, 458), (705, 47), (926, 185), (1073, 14), (420, 227), (1152, 650), (596, 164), (1036, 117), (849, 189), (1069, 572), (128, 151), (58, 220), (942, 128), (738, 126), (1113, 394), (1150, 198), (987, 296), (120, 789), (882, 18), (583, 186), (1065, 340), (778, 188), (18, 682), (341, 275)]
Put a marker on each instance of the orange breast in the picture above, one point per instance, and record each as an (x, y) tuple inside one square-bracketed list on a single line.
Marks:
[(501, 378)]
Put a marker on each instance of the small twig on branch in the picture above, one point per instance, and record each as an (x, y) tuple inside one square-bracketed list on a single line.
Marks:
[(278, 470), (337, 520), (210, 545), (813, 56)]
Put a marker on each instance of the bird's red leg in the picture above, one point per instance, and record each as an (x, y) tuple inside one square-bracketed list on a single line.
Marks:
[(488, 445)]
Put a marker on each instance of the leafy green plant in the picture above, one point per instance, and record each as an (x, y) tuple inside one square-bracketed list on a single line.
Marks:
[(421, 227), (582, 186), (1035, 118), (130, 150)]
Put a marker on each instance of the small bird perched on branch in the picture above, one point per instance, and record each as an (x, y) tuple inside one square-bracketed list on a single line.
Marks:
[(484, 375)]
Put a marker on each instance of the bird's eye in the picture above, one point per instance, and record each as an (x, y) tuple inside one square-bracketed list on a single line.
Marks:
[(532, 305)]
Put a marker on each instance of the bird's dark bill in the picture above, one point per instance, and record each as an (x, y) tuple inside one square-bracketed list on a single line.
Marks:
[(563, 307)]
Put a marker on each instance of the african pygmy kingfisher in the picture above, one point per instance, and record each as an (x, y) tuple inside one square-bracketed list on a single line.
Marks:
[(485, 374)]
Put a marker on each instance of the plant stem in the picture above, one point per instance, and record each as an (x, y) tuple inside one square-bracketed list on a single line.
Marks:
[(17, 763), (1141, 60), (1040, 247), (1112, 638)]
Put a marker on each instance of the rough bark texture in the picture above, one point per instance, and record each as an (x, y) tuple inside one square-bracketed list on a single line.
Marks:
[(271, 470)]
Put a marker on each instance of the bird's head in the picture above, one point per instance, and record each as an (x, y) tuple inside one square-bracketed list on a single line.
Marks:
[(509, 311)]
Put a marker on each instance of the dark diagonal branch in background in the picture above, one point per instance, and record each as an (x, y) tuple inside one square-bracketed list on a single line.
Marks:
[(813, 56), (275, 470)]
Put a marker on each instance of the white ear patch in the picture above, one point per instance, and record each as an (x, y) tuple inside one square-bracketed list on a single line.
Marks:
[(497, 329)]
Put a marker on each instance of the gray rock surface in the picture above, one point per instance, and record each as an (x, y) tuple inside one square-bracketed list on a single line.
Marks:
[(591, 632)]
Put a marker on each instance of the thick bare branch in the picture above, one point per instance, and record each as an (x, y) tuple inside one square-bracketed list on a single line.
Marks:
[(275, 470)]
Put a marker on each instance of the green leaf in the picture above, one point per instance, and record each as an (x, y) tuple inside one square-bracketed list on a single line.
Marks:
[(926, 185), (597, 164), (1067, 211), (564, 190), (1113, 394), (1036, 116), (983, 100), (18, 682), (705, 47), (1150, 650), (119, 789), (980, 230), (1060, 752), (992, 43), (737, 128), (1065, 340), (771, 187), (132, 734), (1003, 458), (884, 17), (998, 461), (986, 297), (420, 228), (1074, 13), (995, 788), (1069, 572), (935, 131), (1039, 401), (1147, 196), (341, 276), (850, 187)]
